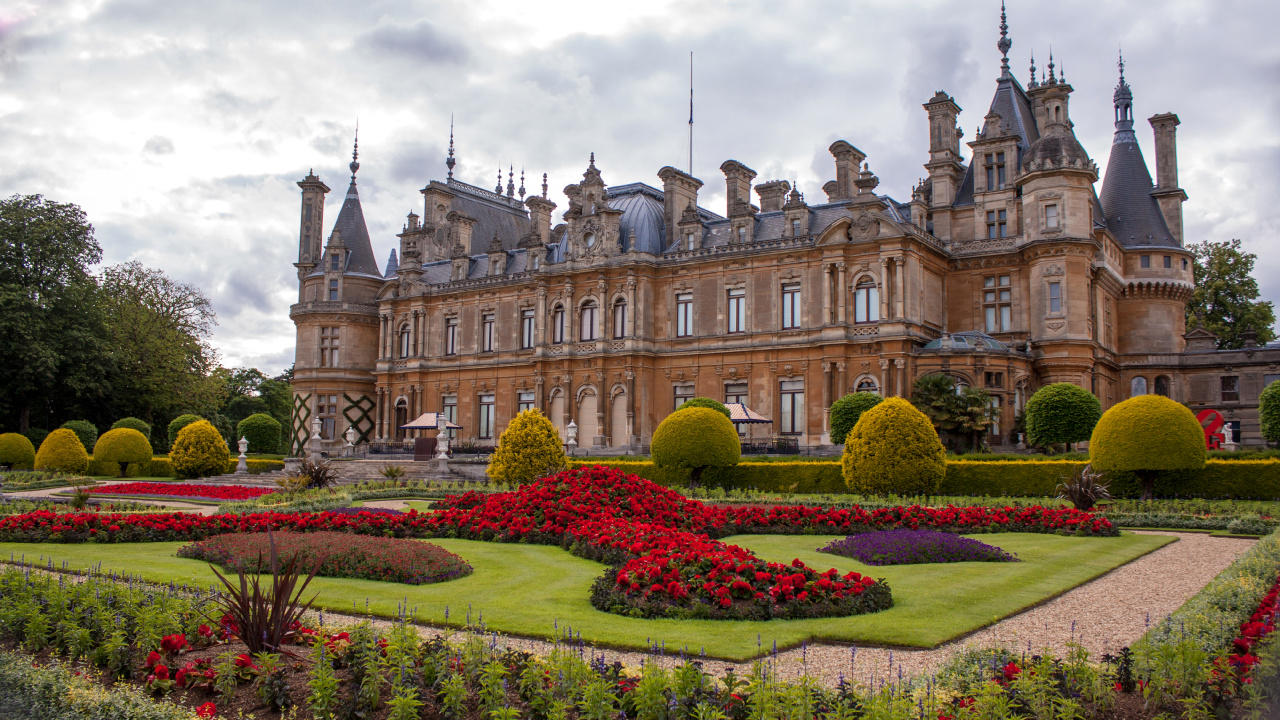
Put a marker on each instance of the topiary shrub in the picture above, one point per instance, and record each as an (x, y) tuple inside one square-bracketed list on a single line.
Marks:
[(703, 402), (262, 431), (35, 435), (697, 439), (176, 425), (133, 423), (894, 448), (16, 452), (1061, 413), (62, 452), (528, 449), (1147, 435), (123, 446), (846, 411), (1269, 412), (85, 430), (199, 451)]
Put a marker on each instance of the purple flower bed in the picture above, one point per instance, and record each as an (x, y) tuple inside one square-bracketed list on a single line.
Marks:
[(908, 547)]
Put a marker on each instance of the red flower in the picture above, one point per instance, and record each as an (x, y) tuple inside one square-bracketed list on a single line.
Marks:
[(152, 658), (207, 710)]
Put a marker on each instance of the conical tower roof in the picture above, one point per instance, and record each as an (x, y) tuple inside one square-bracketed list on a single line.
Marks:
[(351, 228), (1133, 216)]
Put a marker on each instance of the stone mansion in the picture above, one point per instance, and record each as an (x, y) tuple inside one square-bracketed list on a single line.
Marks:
[(1006, 270)]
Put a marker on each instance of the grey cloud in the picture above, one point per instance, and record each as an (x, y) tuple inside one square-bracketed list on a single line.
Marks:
[(158, 145), (419, 42)]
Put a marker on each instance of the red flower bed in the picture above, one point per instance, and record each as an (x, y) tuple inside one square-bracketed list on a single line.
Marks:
[(668, 560), (335, 554), (183, 490), (1261, 624)]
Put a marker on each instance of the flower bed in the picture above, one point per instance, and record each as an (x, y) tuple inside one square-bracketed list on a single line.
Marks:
[(335, 554), (184, 491), (908, 547)]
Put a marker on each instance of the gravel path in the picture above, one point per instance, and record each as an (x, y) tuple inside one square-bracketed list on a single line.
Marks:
[(48, 494), (1104, 615)]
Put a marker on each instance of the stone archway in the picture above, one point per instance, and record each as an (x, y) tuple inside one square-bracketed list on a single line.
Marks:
[(588, 423)]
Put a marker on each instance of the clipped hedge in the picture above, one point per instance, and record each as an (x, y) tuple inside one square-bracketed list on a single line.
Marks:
[(1061, 413), (176, 425), (35, 435), (696, 439), (1269, 412), (705, 402), (894, 449), (123, 446), (199, 451), (846, 411), (261, 430), (134, 423), (161, 467), (17, 452), (85, 430), (63, 452)]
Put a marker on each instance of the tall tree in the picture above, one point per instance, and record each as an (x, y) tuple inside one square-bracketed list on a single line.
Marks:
[(1226, 300), (50, 327), (965, 412)]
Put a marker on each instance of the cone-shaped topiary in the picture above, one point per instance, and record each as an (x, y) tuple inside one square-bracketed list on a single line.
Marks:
[(1147, 435), (124, 446), (199, 451), (85, 430), (262, 431), (1269, 412), (697, 438), (705, 402), (134, 424), (528, 449), (1061, 413), (176, 425), (17, 452), (894, 448), (846, 411), (62, 452)]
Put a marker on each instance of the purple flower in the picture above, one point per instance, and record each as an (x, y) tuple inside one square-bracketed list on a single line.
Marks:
[(906, 547)]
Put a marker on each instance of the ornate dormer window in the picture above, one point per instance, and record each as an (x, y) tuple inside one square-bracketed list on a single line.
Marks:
[(335, 261), (995, 171)]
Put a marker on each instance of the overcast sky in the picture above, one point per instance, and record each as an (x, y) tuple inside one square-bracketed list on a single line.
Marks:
[(182, 127)]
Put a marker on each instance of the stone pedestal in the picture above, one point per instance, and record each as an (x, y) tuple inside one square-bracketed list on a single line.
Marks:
[(242, 463)]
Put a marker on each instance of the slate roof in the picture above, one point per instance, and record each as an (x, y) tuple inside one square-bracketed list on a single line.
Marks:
[(355, 236), (1133, 216), (641, 207), (493, 213), (1012, 105), (393, 265)]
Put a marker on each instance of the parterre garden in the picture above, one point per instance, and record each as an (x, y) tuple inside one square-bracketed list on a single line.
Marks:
[(127, 610)]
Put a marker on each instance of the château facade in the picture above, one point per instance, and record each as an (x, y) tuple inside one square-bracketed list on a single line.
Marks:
[(1006, 271)]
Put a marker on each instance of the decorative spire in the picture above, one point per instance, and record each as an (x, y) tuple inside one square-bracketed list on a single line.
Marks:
[(511, 184), (1052, 79), (1123, 99), (1033, 84), (521, 190), (593, 160), (544, 186), (355, 153), (1004, 43), (498, 189), (450, 162)]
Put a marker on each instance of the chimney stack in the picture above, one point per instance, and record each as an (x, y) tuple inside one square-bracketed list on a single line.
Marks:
[(737, 178), (679, 191), (848, 159), (772, 195), (1167, 193)]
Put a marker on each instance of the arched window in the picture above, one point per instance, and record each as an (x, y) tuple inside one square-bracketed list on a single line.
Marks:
[(866, 302), (867, 385), (404, 342), (619, 319), (1162, 385), (588, 329), (1138, 386), (557, 324)]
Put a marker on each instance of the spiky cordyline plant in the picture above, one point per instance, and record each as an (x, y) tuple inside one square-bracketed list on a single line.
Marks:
[(1084, 488), (264, 620)]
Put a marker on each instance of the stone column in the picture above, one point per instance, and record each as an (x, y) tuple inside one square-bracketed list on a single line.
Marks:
[(826, 403), (632, 439), (413, 331), (843, 288), (842, 382), (900, 376), (826, 294), (377, 433), (632, 309), (899, 291), (885, 306), (540, 321), (886, 389)]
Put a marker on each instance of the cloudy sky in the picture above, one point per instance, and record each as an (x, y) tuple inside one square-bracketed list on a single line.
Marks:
[(181, 127)]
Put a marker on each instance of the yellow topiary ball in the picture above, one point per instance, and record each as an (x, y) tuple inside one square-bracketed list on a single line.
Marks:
[(62, 452), (1147, 435), (124, 446), (17, 452), (894, 448), (529, 449), (199, 451), (695, 438)]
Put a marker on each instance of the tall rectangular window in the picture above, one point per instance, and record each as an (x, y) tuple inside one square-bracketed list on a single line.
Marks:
[(684, 315), (742, 235), (995, 170), (1051, 216), (449, 408), (486, 333), (682, 393), (335, 261), (524, 402), (619, 320), (997, 296), (1144, 261), (1055, 297), (328, 347), (328, 411), (1168, 261), (736, 315), (866, 302), (795, 228), (404, 342), (557, 325), (526, 329), (588, 330), (790, 306), (1230, 388), (793, 407), (485, 421), (997, 224), (333, 290), (451, 336)]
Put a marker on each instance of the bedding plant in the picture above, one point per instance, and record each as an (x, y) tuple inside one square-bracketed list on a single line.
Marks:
[(184, 490), (909, 547)]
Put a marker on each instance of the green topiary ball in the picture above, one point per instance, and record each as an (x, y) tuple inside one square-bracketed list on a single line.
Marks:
[(35, 435), (133, 423), (176, 425), (894, 449), (85, 430), (1269, 412), (702, 402), (1061, 413), (62, 452), (262, 431), (846, 411), (697, 438), (199, 451), (17, 452), (529, 448), (1147, 435), (124, 446)]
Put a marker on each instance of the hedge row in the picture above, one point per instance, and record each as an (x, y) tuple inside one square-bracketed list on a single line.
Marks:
[(161, 467), (1241, 479)]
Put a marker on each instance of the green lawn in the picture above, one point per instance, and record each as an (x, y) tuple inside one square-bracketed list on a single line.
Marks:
[(529, 589)]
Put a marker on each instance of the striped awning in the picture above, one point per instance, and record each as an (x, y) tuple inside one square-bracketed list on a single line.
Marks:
[(431, 421), (740, 413)]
